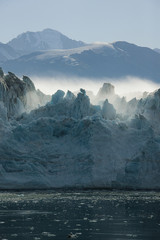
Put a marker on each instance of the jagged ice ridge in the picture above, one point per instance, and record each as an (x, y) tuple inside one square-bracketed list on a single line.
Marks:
[(64, 140)]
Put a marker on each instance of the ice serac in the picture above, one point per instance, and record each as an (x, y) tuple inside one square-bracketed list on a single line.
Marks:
[(107, 91), (69, 96), (71, 143), (1, 73), (108, 111), (19, 96), (106, 96), (57, 97), (81, 106)]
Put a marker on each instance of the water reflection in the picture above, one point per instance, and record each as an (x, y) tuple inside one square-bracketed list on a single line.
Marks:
[(96, 215)]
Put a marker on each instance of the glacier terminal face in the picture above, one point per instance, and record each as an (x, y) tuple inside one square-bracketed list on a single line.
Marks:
[(63, 140)]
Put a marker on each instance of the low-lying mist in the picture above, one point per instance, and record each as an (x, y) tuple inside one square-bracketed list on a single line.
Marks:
[(129, 87)]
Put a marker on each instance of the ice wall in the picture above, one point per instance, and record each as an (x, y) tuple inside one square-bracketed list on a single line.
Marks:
[(71, 143)]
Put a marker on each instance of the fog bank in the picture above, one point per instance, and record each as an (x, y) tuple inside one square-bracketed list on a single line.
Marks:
[(129, 87)]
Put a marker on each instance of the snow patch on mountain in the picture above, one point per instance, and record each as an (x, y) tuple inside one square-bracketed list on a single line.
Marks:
[(95, 47), (43, 40)]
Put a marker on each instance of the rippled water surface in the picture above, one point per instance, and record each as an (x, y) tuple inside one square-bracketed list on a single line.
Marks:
[(96, 215)]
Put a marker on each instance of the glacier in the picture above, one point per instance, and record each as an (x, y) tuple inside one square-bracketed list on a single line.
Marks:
[(67, 141)]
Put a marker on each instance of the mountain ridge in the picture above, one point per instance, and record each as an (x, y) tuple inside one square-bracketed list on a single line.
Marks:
[(42, 40), (50, 53), (116, 60), (7, 52), (157, 50)]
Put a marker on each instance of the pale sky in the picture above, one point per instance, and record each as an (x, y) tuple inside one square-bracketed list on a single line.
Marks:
[(134, 21)]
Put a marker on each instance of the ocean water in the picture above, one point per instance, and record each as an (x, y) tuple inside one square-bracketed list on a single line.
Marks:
[(91, 214)]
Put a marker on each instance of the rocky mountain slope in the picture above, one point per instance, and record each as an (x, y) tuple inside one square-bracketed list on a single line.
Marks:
[(7, 52), (71, 142), (116, 60), (157, 50)]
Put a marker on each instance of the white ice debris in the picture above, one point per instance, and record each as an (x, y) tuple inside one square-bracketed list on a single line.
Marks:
[(71, 143)]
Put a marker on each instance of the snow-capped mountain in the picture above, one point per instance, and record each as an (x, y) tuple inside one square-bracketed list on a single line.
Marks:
[(7, 52), (50, 53), (43, 40), (70, 142), (115, 60)]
